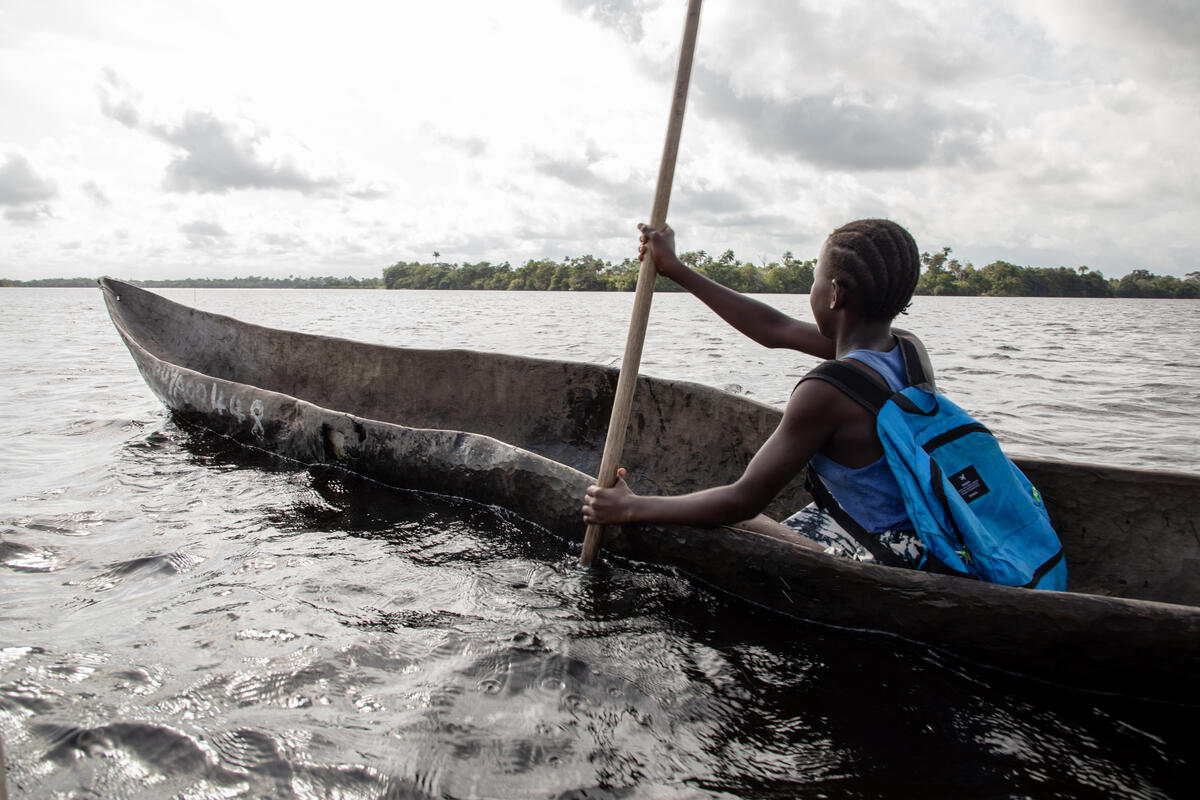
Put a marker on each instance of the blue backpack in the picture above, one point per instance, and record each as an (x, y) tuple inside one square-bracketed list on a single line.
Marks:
[(976, 512)]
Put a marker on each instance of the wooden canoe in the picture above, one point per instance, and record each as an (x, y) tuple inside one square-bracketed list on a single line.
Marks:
[(526, 433)]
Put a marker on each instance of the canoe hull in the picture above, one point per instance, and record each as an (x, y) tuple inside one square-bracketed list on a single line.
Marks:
[(1131, 644)]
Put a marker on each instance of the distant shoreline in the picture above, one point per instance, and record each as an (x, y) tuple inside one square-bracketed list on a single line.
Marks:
[(88, 283), (203, 283), (941, 275)]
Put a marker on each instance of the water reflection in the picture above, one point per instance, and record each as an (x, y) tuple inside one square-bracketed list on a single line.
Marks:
[(182, 617)]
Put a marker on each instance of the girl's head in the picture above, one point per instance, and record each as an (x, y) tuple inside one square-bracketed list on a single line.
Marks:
[(877, 260)]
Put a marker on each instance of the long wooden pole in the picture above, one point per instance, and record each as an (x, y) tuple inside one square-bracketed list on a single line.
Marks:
[(623, 401)]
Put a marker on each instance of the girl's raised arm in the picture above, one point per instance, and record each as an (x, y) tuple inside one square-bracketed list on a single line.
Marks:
[(763, 323)]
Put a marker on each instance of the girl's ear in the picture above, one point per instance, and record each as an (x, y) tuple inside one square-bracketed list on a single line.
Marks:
[(837, 298)]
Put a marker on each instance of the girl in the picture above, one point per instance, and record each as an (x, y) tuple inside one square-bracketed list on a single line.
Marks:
[(865, 276)]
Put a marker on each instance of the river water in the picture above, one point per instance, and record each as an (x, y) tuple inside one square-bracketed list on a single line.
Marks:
[(181, 618)]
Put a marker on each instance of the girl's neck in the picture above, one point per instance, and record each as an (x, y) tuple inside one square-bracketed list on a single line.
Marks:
[(866, 336)]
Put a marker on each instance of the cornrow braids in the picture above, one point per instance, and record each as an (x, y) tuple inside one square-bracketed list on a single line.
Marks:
[(879, 260)]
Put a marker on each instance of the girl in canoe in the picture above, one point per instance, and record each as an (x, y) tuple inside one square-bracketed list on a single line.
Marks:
[(865, 276)]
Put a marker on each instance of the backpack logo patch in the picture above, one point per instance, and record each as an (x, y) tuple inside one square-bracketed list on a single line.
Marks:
[(969, 484)]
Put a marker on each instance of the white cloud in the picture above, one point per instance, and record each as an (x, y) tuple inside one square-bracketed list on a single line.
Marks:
[(22, 185), (211, 154), (344, 137), (1151, 37), (28, 214), (97, 195), (205, 235), (219, 156), (373, 190), (853, 130)]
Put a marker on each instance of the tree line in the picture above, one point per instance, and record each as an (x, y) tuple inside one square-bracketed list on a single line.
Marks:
[(257, 282), (249, 282), (945, 275), (941, 274), (590, 274)]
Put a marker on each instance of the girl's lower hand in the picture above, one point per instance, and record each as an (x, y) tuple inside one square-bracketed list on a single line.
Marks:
[(610, 506)]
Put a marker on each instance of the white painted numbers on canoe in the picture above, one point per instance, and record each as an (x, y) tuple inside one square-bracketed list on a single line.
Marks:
[(174, 385)]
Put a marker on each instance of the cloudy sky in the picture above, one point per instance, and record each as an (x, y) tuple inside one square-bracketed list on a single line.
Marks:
[(172, 139)]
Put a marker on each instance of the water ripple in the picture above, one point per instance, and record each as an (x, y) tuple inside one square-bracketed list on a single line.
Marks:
[(183, 618)]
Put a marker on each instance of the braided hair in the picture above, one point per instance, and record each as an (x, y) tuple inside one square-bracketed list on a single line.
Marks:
[(879, 260)]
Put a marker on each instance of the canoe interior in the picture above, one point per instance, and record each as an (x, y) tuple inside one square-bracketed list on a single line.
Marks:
[(1127, 533)]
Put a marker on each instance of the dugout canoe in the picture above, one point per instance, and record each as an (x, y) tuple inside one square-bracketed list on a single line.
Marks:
[(525, 434)]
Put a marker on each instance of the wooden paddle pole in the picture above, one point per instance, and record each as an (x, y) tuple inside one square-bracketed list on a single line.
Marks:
[(623, 401)]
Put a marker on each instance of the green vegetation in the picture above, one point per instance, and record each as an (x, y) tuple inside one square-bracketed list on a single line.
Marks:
[(251, 282), (942, 275), (590, 274), (255, 282), (55, 283)]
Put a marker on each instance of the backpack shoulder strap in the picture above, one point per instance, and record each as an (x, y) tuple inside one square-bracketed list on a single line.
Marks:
[(853, 382), (868, 391), (917, 368), (826, 501)]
